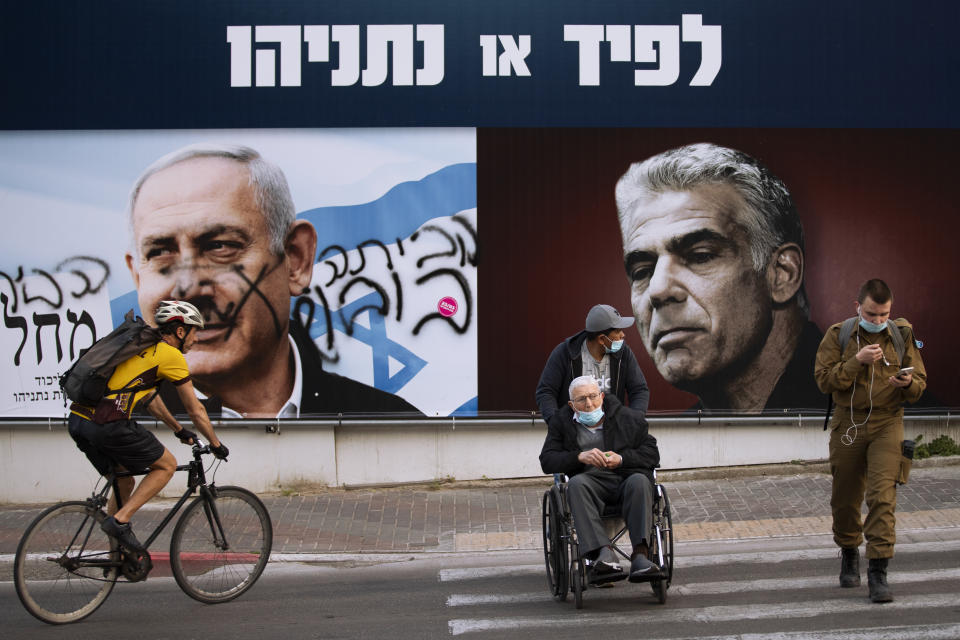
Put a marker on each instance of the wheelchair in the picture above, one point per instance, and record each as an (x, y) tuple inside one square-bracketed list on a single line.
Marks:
[(566, 572)]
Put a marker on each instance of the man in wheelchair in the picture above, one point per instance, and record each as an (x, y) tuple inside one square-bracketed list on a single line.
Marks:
[(609, 456)]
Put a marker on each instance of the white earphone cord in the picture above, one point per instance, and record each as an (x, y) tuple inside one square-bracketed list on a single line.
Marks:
[(846, 438)]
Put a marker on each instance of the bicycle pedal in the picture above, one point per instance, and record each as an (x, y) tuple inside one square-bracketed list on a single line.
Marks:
[(136, 566)]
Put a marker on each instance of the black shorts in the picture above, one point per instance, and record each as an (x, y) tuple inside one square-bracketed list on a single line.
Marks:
[(122, 442)]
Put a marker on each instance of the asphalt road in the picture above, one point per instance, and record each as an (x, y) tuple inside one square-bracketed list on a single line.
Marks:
[(784, 588)]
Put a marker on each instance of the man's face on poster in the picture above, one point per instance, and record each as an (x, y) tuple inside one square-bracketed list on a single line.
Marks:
[(200, 236), (700, 306)]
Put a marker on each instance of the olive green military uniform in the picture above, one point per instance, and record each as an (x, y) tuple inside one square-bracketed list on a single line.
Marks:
[(869, 466)]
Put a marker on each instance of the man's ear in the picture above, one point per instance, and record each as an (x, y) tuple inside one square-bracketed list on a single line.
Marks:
[(134, 269), (301, 248), (785, 272)]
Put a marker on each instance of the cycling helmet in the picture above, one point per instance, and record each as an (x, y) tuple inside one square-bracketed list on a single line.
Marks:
[(178, 311)]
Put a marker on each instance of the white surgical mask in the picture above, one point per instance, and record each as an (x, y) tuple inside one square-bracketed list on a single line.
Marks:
[(590, 418), (614, 346), (872, 327)]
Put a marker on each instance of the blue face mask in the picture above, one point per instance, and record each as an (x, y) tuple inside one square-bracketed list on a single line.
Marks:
[(614, 346), (871, 327), (590, 418)]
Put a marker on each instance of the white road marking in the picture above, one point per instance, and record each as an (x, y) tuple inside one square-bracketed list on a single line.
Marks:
[(681, 561), (921, 632), (705, 615)]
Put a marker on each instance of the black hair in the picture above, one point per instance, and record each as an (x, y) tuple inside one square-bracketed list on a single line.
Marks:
[(875, 289)]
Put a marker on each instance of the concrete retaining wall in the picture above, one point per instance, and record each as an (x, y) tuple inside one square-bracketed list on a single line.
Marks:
[(39, 462)]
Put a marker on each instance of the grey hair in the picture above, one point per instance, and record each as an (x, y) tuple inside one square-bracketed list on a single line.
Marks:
[(579, 382), (270, 186), (771, 218)]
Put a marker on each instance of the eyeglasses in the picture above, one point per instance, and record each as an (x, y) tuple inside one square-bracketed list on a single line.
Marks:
[(583, 399)]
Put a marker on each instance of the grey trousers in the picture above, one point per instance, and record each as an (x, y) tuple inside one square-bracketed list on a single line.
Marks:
[(589, 492)]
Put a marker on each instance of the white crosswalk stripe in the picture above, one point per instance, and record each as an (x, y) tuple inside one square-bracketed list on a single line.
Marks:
[(711, 588), (920, 632), (809, 600), (720, 613), (764, 557)]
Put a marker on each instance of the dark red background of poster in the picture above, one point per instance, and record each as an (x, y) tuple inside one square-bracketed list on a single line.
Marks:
[(874, 203)]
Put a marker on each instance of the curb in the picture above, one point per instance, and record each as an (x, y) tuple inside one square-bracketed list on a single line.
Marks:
[(663, 475)]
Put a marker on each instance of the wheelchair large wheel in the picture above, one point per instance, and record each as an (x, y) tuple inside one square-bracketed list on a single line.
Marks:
[(554, 546), (659, 590), (667, 536), (662, 551), (576, 582)]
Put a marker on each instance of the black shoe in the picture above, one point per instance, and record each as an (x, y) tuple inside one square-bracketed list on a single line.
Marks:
[(877, 580), (849, 567), (122, 532), (601, 571), (642, 570)]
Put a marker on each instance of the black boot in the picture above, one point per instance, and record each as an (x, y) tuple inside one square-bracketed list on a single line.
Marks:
[(877, 580), (849, 567)]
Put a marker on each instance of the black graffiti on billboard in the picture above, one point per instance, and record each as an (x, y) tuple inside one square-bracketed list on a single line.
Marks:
[(83, 273), (189, 282), (467, 297), (383, 308), (47, 289), (337, 273), (352, 270), (233, 309)]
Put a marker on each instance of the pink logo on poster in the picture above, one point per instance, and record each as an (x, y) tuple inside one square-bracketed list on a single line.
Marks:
[(447, 306)]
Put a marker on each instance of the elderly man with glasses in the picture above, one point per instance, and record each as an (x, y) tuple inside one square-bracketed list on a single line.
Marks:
[(609, 456)]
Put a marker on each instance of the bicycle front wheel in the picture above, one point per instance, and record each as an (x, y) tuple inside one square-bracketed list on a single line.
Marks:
[(65, 566), (219, 548)]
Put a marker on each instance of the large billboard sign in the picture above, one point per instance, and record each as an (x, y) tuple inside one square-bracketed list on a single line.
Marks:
[(440, 155)]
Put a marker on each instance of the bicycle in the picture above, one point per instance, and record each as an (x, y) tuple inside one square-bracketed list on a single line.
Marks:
[(65, 566)]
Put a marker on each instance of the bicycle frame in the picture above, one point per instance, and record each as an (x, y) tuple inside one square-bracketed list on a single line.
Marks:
[(196, 480)]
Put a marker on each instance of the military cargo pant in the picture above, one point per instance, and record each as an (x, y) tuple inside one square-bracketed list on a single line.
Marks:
[(868, 467)]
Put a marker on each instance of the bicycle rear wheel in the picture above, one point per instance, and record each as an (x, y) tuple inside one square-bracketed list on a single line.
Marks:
[(215, 563), (65, 566)]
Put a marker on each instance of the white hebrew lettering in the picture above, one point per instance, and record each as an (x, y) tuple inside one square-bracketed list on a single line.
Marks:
[(290, 46), (317, 37), (711, 49), (380, 37), (618, 35), (514, 54), (431, 35), (239, 40), (666, 54), (589, 37), (489, 55), (652, 45), (348, 37), (383, 42)]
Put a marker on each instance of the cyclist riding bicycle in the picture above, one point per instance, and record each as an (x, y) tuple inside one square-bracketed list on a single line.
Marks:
[(112, 439)]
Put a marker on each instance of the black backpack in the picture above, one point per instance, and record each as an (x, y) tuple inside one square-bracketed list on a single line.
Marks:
[(846, 330), (86, 381)]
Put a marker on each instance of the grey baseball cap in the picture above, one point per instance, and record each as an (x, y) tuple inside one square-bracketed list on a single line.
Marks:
[(602, 317)]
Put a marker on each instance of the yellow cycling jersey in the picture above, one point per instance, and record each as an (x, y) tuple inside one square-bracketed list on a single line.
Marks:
[(144, 372)]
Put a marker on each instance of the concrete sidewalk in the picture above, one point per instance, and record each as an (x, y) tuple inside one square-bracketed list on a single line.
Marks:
[(504, 515)]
